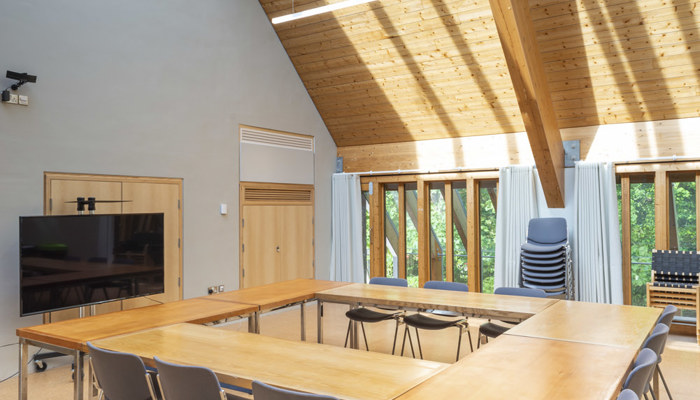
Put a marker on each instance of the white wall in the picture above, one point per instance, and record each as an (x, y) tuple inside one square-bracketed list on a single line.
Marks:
[(149, 88)]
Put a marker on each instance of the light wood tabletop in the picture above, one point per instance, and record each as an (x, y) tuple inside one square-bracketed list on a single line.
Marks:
[(277, 294), (73, 334), (518, 367), (606, 324), (510, 308), (311, 367)]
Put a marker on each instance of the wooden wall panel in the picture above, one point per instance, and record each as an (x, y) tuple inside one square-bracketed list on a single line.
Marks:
[(615, 142)]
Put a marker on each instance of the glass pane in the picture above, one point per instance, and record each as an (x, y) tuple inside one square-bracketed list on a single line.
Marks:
[(487, 229), (365, 232), (642, 235), (683, 219), (391, 232), (459, 230), (437, 234), (411, 234)]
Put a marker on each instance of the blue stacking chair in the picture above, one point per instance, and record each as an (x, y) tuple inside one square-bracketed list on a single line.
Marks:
[(423, 321), (491, 330), (364, 314), (186, 382)]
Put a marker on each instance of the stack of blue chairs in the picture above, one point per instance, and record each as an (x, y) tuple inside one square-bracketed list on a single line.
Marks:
[(545, 259)]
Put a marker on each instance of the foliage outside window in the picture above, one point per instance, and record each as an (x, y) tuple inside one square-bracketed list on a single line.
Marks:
[(487, 228)]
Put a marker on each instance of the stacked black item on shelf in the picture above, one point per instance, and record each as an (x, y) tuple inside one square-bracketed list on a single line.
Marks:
[(545, 259)]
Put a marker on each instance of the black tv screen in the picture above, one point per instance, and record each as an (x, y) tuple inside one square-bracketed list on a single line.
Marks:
[(73, 260)]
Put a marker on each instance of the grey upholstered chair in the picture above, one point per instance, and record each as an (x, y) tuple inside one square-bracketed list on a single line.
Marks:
[(364, 314), (186, 382), (263, 391), (627, 394), (638, 379), (657, 342), (120, 376), (492, 330), (425, 321)]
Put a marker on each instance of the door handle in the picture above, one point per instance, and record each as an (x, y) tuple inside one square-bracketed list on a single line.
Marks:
[(277, 249)]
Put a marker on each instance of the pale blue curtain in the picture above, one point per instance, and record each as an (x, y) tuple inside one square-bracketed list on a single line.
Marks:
[(347, 262), (517, 204), (597, 248)]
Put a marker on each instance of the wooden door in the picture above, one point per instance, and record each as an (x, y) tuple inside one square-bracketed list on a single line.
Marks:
[(61, 194), (148, 197), (296, 240), (277, 233), (145, 195), (259, 247)]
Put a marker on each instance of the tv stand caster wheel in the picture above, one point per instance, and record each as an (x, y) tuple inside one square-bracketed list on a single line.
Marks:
[(40, 366)]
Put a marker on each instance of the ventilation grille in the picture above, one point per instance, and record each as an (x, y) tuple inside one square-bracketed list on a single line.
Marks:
[(277, 139), (282, 195)]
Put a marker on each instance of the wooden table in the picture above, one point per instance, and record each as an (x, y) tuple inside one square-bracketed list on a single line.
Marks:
[(280, 294), (311, 367), (605, 324), (70, 337), (480, 305), (518, 367)]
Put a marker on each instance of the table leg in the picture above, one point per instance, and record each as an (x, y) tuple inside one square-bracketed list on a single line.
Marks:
[(319, 321), (78, 381), (254, 322), (303, 322), (23, 354), (354, 342)]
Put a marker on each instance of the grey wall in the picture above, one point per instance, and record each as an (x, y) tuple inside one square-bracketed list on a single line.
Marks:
[(148, 88)]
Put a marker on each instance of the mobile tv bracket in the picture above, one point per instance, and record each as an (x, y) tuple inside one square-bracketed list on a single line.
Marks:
[(91, 203)]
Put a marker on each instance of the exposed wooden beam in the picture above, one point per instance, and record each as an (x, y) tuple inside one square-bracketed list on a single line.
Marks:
[(517, 34)]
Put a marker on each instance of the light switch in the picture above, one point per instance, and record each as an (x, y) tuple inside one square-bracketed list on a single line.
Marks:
[(223, 208)]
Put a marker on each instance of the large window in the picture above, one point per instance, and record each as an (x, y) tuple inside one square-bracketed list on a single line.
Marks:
[(427, 227), (658, 210), (487, 229)]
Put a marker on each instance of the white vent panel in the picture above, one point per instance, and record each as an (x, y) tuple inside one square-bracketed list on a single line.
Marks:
[(277, 139)]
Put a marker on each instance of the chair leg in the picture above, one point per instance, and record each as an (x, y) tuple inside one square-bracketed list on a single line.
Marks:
[(459, 341), (653, 396), (347, 335), (396, 332), (362, 324), (420, 350), (410, 341), (478, 341), (663, 380), (469, 334)]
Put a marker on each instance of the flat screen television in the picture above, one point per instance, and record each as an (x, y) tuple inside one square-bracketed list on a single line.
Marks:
[(74, 260)]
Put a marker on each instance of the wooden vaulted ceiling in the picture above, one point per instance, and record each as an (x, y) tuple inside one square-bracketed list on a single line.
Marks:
[(399, 71)]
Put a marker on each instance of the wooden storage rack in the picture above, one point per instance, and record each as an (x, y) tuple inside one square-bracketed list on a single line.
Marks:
[(674, 280)]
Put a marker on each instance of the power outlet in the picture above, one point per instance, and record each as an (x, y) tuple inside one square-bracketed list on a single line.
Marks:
[(221, 288), (23, 100), (213, 289), (14, 98)]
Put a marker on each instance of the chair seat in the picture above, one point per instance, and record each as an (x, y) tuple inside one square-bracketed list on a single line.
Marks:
[(363, 314), (492, 330), (542, 248), (422, 321)]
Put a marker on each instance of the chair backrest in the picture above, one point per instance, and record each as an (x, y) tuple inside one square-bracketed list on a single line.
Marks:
[(263, 391), (627, 394), (640, 375), (657, 340), (121, 376), (443, 285), (185, 382), (380, 280), (547, 231), (667, 315), (517, 291)]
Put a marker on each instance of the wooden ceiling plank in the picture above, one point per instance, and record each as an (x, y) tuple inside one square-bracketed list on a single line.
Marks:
[(516, 33)]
